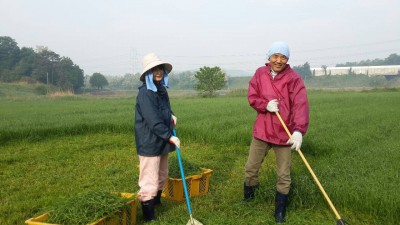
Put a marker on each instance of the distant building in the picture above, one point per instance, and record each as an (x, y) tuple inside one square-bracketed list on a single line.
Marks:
[(387, 71)]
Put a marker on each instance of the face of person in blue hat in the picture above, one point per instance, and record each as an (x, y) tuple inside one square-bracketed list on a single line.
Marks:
[(278, 62), (158, 73)]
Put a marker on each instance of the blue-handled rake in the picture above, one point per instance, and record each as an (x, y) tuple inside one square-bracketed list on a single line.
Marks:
[(192, 221)]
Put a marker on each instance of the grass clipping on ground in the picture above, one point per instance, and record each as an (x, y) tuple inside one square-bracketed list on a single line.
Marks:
[(87, 208)]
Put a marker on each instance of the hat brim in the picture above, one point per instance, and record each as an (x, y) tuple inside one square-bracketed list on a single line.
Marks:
[(167, 66)]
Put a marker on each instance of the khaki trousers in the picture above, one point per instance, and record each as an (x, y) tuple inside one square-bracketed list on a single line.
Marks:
[(153, 175), (258, 151)]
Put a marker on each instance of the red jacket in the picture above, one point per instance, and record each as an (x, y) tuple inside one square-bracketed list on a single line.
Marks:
[(289, 89)]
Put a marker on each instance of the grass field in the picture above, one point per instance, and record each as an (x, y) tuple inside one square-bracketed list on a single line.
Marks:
[(339, 82), (53, 148)]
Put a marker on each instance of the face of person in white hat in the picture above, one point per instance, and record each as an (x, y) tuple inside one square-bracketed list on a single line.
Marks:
[(278, 62), (158, 73)]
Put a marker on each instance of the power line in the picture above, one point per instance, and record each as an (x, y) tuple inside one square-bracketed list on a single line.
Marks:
[(350, 46), (249, 61)]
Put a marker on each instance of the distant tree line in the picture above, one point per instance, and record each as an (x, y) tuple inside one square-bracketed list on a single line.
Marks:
[(305, 70), (178, 81), (127, 82), (40, 65), (47, 67), (392, 59), (207, 81)]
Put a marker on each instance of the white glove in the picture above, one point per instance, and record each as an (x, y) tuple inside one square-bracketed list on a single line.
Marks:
[(174, 119), (174, 140), (296, 140), (272, 105)]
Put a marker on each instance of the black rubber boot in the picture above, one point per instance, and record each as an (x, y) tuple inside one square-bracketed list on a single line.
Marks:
[(157, 199), (148, 210), (249, 192), (281, 201)]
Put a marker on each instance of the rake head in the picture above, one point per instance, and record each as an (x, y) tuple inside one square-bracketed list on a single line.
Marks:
[(341, 222), (193, 221)]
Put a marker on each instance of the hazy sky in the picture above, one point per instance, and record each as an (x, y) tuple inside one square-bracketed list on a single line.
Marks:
[(111, 37)]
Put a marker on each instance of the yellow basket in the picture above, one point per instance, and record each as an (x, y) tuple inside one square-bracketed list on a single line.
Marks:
[(197, 185), (127, 217)]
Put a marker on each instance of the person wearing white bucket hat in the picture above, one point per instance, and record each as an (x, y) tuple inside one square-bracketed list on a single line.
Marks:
[(276, 87), (154, 123)]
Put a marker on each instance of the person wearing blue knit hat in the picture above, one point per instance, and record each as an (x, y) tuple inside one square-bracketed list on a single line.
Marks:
[(276, 87)]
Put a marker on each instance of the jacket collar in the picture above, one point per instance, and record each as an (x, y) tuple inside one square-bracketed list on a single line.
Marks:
[(280, 74)]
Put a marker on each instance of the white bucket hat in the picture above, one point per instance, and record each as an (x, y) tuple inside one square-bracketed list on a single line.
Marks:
[(151, 60)]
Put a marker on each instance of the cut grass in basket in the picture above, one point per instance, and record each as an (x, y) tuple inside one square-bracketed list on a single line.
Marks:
[(190, 168), (87, 207)]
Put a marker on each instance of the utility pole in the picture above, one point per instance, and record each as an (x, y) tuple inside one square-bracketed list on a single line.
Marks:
[(134, 60), (47, 83)]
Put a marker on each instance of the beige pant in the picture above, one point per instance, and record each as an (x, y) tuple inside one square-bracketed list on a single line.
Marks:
[(258, 151), (153, 175)]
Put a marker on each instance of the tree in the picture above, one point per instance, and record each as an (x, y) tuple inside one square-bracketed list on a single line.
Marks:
[(393, 59), (209, 80), (324, 67), (50, 68), (24, 67), (68, 76), (304, 70), (98, 80), (9, 52), (44, 64), (182, 80), (350, 71), (9, 56)]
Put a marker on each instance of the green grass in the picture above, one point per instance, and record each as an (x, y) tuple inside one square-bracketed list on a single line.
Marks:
[(52, 149), (11, 90), (43, 118)]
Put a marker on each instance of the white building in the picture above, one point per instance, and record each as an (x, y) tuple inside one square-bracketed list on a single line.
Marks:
[(366, 70)]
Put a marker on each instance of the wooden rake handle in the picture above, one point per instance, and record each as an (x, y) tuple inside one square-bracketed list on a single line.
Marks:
[(311, 171)]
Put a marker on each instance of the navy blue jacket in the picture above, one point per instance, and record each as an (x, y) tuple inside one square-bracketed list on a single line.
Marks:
[(153, 126)]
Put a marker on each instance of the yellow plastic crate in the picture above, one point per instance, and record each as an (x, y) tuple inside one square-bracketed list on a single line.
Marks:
[(197, 185), (127, 217)]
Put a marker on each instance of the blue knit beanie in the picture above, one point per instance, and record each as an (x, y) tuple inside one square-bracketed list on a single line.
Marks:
[(280, 47)]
